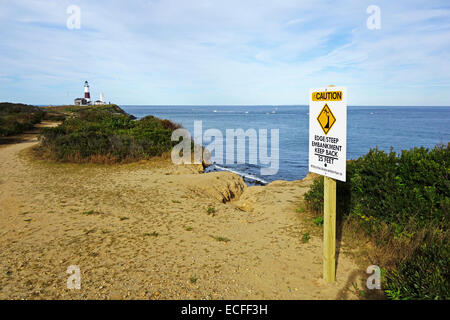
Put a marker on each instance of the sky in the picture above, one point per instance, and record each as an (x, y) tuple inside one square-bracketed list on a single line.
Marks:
[(233, 52)]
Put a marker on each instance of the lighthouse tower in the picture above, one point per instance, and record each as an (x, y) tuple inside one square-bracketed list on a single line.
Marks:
[(87, 95)]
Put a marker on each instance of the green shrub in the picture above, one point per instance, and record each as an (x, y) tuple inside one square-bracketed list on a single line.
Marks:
[(15, 118), (405, 193), (105, 135), (314, 197), (424, 275), (412, 187), (399, 188)]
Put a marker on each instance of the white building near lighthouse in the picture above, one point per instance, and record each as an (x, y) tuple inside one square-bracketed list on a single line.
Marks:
[(101, 101)]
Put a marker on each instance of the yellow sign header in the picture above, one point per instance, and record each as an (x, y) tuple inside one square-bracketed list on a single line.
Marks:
[(327, 96)]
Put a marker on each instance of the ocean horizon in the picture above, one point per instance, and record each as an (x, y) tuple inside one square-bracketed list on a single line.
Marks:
[(399, 127)]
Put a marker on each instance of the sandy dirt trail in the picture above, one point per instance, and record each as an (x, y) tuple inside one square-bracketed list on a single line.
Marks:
[(143, 231)]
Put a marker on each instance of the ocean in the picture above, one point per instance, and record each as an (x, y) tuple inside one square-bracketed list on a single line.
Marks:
[(368, 127)]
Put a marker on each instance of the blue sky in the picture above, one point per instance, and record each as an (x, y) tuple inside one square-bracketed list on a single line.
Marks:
[(205, 52)]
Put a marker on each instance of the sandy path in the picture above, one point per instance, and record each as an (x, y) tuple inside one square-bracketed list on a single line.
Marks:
[(150, 235)]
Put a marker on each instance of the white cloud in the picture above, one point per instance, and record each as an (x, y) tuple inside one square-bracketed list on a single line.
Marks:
[(224, 52)]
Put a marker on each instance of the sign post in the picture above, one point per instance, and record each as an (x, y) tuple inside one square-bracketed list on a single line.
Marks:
[(327, 157), (329, 229)]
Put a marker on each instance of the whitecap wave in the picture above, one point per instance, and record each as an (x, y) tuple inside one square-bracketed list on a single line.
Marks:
[(243, 175)]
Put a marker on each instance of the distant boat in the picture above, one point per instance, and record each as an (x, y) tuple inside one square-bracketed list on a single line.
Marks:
[(246, 111), (215, 111), (273, 111)]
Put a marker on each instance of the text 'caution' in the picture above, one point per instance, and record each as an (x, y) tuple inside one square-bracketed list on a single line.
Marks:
[(327, 96)]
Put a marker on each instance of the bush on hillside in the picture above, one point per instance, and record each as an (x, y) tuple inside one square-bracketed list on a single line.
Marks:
[(98, 135), (15, 118), (405, 193), (425, 274), (412, 186)]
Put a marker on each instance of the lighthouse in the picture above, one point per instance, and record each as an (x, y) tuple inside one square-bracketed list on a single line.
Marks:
[(87, 95), (86, 101)]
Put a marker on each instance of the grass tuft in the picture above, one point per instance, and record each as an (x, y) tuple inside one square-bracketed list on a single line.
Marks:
[(152, 234), (220, 238), (193, 279), (305, 237)]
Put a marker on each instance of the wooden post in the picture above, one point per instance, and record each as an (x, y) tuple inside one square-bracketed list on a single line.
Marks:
[(329, 229)]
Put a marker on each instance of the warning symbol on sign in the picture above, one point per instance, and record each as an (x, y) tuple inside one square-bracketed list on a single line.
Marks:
[(326, 119)]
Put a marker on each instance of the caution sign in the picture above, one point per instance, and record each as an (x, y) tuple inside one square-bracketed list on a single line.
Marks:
[(328, 132), (326, 119)]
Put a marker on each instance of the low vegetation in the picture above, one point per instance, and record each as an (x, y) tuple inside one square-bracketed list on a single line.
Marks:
[(151, 234), (91, 212), (401, 203), (105, 134), (220, 238), (15, 118), (306, 237)]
